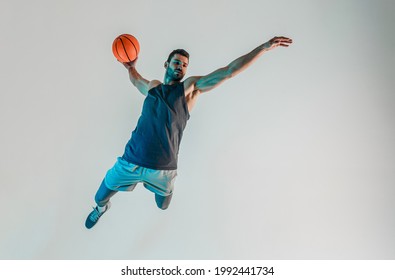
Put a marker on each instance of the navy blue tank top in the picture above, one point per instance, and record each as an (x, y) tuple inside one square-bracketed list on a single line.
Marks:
[(156, 140)]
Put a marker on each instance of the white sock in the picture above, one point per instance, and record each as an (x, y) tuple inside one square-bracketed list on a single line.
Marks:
[(101, 209)]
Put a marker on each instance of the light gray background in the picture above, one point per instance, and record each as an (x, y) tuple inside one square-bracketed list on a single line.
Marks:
[(292, 159)]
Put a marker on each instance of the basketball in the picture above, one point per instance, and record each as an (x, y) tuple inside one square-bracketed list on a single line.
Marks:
[(125, 48)]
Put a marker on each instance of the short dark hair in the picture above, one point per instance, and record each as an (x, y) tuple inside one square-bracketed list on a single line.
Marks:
[(178, 51)]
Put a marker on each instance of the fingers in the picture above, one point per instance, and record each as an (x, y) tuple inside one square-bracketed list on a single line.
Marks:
[(282, 38), (129, 64), (281, 41)]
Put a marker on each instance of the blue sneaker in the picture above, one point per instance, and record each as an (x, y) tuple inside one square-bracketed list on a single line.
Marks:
[(95, 215)]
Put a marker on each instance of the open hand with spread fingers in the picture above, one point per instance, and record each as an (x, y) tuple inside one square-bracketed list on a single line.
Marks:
[(277, 42)]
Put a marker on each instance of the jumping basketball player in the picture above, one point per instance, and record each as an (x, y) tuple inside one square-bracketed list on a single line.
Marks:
[(151, 154)]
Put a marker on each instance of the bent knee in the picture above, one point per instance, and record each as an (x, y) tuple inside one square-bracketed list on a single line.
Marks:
[(163, 202), (163, 207)]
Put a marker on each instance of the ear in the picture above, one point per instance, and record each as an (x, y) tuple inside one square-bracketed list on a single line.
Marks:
[(166, 64)]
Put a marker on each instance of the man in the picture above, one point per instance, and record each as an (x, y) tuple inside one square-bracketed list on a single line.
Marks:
[(151, 154)]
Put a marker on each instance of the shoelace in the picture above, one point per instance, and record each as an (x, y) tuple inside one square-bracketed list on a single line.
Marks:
[(95, 215)]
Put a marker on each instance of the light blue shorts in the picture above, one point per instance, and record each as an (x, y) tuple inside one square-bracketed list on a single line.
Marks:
[(124, 176)]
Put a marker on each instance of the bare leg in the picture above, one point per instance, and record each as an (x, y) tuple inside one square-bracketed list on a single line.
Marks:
[(103, 195), (163, 201)]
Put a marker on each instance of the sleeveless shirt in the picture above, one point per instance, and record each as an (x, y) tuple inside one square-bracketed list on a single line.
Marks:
[(156, 139)]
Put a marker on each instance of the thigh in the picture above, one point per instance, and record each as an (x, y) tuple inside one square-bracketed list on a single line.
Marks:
[(160, 182), (123, 176)]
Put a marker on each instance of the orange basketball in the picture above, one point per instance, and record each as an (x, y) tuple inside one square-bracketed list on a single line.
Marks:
[(125, 48)]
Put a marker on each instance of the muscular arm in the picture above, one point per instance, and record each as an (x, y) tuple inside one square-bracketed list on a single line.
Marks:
[(138, 81), (212, 80), (142, 84)]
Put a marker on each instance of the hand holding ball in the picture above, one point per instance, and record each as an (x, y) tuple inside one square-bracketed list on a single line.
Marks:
[(125, 48)]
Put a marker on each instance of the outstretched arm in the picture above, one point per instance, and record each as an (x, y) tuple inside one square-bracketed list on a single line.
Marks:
[(143, 85), (212, 80)]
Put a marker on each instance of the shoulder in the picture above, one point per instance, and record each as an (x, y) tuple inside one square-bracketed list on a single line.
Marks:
[(189, 84), (191, 80), (153, 83)]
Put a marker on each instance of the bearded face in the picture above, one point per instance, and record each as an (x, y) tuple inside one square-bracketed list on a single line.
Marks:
[(176, 68)]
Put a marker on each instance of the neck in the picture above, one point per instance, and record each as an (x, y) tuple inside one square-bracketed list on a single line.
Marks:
[(168, 81)]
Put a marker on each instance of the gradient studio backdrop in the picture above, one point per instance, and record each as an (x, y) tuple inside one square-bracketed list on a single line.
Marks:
[(292, 159)]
